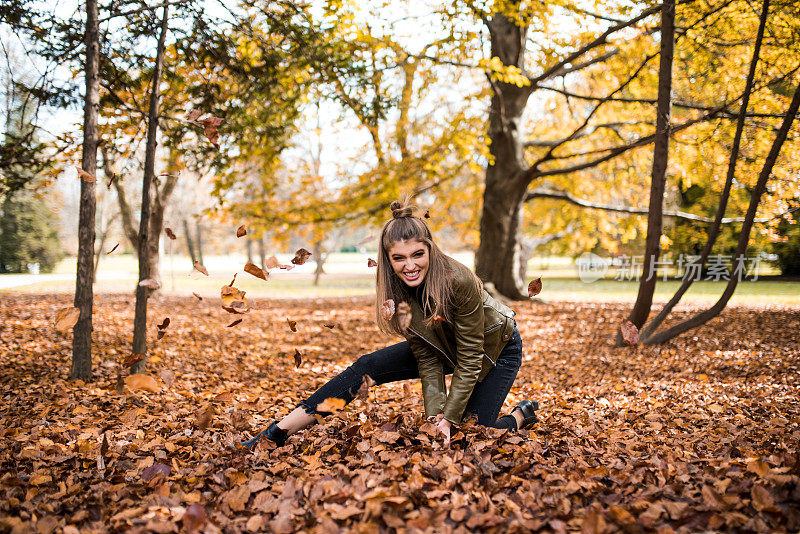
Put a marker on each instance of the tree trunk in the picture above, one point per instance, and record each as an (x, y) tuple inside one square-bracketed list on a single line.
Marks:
[(262, 253), (319, 256), (744, 237), (248, 243), (655, 219), (84, 294), (102, 242), (723, 201), (498, 257), (143, 293), (198, 227), (189, 242)]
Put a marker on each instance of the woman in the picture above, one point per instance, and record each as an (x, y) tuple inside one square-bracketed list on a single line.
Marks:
[(455, 327)]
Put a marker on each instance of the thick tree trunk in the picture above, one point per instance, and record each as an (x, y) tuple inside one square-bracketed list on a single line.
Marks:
[(744, 236), (655, 219), (84, 294), (189, 242), (143, 293), (723, 201)]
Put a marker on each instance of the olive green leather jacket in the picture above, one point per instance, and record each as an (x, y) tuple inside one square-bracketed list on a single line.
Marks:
[(469, 345)]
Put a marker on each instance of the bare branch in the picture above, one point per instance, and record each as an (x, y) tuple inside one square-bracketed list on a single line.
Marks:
[(145, 8)]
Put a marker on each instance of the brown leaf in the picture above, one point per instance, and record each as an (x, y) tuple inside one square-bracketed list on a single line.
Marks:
[(403, 315), (387, 309), (104, 446), (150, 283), (241, 231), (371, 263), (196, 295), (164, 324), (120, 387), (292, 325), (160, 334), (194, 114), (66, 318), (199, 267), (194, 518), (132, 359), (210, 129), (329, 325), (762, 499), (142, 382), (233, 300), (112, 250), (593, 523), (331, 404), (167, 376), (630, 334), (301, 256), (255, 270), (204, 417), (85, 176), (535, 287), (271, 262), (234, 323), (170, 233), (298, 358), (427, 214), (150, 472)]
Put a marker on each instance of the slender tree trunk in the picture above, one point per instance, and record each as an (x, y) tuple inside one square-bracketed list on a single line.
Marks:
[(199, 231), (143, 293), (84, 294), (319, 256), (723, 201), (102, 242), (248, 243), (262, 252), (655, 219), (189, 242), (744, 237)]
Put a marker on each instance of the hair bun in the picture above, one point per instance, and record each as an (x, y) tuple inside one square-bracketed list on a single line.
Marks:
[(399, 210)]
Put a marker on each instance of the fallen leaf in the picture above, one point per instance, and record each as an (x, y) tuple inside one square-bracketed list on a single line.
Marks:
[(142, 382), (762, 499), (170, 233), (387, 309), (292, 325), (298, 358), (194, 114), (234, 323), (204, 418), (66, 318), (150, 283), (241, 231), (630, 334), (199, 267), (535, 287), (371, 263), (210, 129), (255, 270), (301, 256), (150, 472), (196, 295), (194, 518), (85, 176), (331, 404), (112, 250), (403, 315)]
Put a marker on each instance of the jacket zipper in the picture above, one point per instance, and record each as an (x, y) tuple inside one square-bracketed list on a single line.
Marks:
[(493, 327), (434, 346)]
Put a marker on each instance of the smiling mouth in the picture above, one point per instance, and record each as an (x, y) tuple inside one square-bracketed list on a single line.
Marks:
[(413, 275)]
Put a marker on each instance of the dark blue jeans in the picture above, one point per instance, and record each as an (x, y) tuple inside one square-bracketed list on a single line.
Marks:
[(396, 362)]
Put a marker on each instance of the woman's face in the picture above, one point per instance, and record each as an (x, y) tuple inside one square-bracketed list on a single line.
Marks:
[(409, 261)]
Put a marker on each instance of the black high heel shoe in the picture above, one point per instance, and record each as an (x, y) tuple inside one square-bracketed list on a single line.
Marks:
[(528, 410), (272, 433)]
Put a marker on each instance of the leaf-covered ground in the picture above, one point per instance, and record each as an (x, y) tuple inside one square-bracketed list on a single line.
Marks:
[(699, 434)]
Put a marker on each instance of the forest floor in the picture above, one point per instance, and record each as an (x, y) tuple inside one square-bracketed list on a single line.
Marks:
[(699, 434)]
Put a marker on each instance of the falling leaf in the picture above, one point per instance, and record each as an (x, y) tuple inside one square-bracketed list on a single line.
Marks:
[(301, 256), (132, 359), (535, 287), (150, 283), (271, 262), (630, 334), (387, 309), (234, 323), (437, 319), (292, 324), (329, 325), (85, 176), (142, 382), (158, 468), (194, 518), (196, 295), (403, 315), (170, 233), (210, 129), (298, 358), (331, 404), (241, 231), (66, 318), (255, 270), (427, 214), (160, 334), (366, 240), (233, 300), (199, 267), (112, 250), (371, 263), (164, 324), (194, 114)]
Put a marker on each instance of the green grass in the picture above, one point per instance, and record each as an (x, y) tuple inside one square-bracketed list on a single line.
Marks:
[(350, 277)]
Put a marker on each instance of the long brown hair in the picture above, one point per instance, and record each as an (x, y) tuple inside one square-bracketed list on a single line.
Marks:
[(437, 295)]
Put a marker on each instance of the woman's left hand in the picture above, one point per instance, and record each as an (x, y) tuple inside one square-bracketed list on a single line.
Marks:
[(443, 426)]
